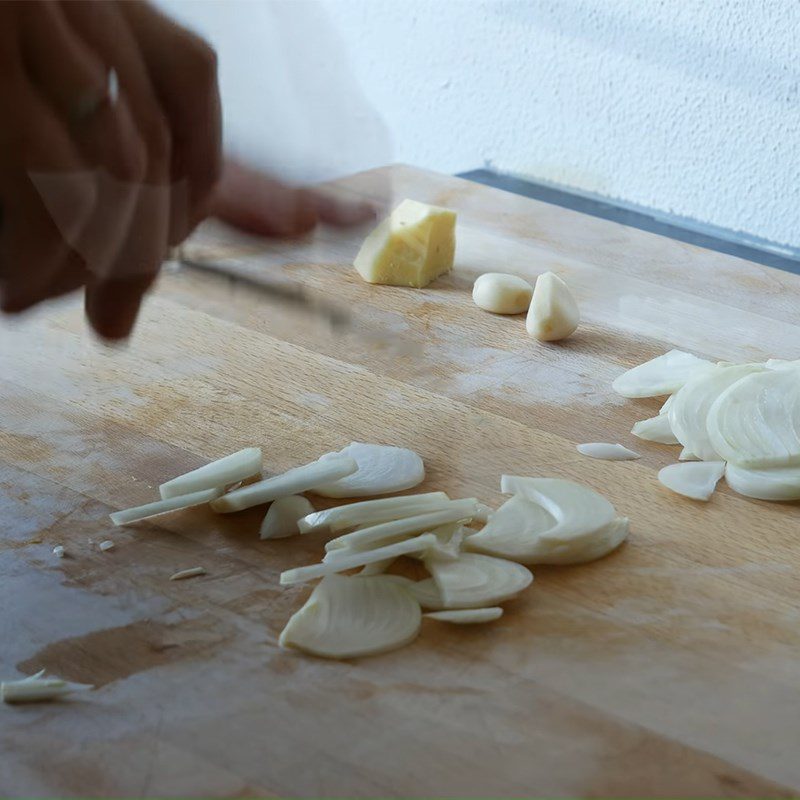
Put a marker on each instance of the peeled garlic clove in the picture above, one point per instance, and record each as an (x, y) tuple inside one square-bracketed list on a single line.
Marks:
[(578, 511), (607, 451), (299, 479), (381, 470), (217, 474), (553, 314), (467, 616), (502, 293), (688, 413), (755, 423), (694, 479), (655, 429), (778, 483), (475, 580), (349, 617), (372, 512), (282, 516), (663, 375), (164, 506)]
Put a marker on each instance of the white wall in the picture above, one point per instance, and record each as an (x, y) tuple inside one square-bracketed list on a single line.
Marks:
[(687, 107)]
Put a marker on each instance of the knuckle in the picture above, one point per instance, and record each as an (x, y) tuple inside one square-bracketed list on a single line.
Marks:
[(202, 60), (157, 138)]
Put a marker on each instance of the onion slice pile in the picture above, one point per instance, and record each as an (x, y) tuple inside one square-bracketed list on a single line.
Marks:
[(779, 483), (659, 376)]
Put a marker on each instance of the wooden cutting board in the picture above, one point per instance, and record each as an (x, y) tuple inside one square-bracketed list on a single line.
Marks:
[(670, 668)]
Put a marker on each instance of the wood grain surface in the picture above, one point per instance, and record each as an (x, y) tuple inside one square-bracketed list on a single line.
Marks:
[(670, 668)]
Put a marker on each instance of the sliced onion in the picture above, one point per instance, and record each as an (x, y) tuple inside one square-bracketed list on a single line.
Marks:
[(655, 429), (663, 375), (217, 474), (475, 580), (381, 470), (299, 479), (351, 559), (377, 567), (467, 616), (371, 512), (177, 503), (755, 423), (449, 539), (693, 401), (607, 451), (778, 483), (365, 538), (688, 455), (695, 479), (425, 592), (780, 363), (282, 516), (349, 617), (578, 511)]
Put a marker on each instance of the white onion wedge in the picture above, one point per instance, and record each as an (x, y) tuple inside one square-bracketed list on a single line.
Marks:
[(360, 559), (779, 483), (365, 538), (755, 423), (663, 375), (349, 617), (371, 512), (475, 580), (607, 451), (282, 516), (381, 470), (694, 479), (578, 511), (655, 429), (689, 410), (178, 503), (37, 689), (299, 479), (467, 616), (217, 474)]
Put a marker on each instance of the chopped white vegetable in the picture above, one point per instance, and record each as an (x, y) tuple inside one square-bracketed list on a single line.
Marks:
[(299, 479), (106, 544), (365, 538), (755, 423), (425, 592), (502, 293), (449, 539), (607, 451), (655, 429), (37, 689), (377, 568), (349, 617), (516, 530), (475, 580), (553, 314), (663, 375), (59, 551), (578, 511), (778, 483), (282, 516), (192, 572), (164, 506), (351, 560), (467, 616), (780, 363), (371, 512), (695, 479), (381, 470), (482, 513), (689, 410), (216, 475)]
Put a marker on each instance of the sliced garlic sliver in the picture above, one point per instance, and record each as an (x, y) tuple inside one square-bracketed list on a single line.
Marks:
[(183, 574), (694, 479), (351, 560), (663, 375), (371, 512), (299, 479), (467, 616), (349, 617), (35, 689), (217, 474), (282, 516), (475, 580), (778, 483), (177, 503), (381, 470), (607, 451)]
